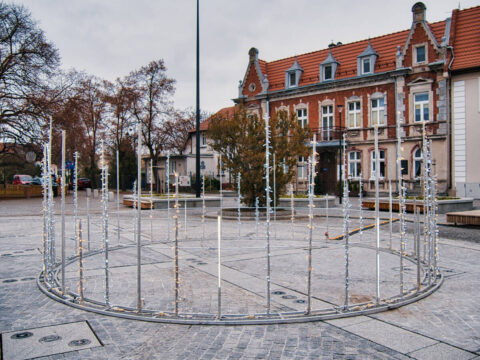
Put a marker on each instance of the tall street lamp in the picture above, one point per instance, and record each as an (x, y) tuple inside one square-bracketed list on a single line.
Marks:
[(340, 195)]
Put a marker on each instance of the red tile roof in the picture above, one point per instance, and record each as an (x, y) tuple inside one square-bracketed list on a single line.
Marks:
[(466, 44), (346, 55), (225, 112)]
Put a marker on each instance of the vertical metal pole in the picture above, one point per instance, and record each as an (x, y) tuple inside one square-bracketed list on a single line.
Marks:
[(267, 205), (197, 122), (390, 210), (167, 183), (417, 220), (274, 168), (185, 217), (175, 256), (346, 223), (88, 222), (203, 207), (219, 265), (75, 193), (63, 212), (360, 199), (310, 224), (118, 199), (105, 225), (239, 199), (139, 219), (326, 215), (377, 216), (80, 262), (45, 211), (292, 212), (221, 193), (151, 200)]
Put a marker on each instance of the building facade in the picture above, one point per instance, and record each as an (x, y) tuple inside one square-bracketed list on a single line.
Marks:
[(400, 82)]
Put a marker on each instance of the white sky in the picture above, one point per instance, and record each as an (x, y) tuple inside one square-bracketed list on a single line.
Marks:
[(110, 38)]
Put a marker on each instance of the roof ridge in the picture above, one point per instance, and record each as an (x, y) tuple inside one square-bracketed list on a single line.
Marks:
[(350, 43)]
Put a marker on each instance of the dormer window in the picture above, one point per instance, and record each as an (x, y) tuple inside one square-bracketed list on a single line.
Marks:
[(292, 79), (292, 75), (366, 60), (328, 68), (420, 54), (366, 66), (327, 72)]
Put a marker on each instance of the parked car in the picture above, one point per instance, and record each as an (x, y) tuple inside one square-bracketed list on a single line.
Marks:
[(22, 180), (84, 183), (37, 181)]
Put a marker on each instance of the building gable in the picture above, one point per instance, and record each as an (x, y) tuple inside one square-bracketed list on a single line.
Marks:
[(254, 82)]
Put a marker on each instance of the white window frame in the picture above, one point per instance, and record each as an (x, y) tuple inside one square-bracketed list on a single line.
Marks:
[(419, 160), (203, 140), (356, 114), (302, 118), (415, 56), (364, 60), (378, 111), (290, 74), (380, 161), (354, 164), (325, 72), (423, 104), (301, 168), (327, 133)]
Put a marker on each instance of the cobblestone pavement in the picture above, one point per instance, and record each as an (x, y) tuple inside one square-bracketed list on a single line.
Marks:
[(445, 325)]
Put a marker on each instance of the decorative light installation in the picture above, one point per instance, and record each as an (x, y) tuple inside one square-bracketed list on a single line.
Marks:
[(51, 214), (292, 212), (239, 204), (390, 212), (267, 204), (346, 225), (167, 184), (377, 216), (360, 199), (88, 222), (118, 198), (403, 229), (81, 280), (75, 193), (151, 200), (175, 249), (219, 266), (45, 232), (311, 184), (63, 211), (139, 218), (257, 217), (105, 224)]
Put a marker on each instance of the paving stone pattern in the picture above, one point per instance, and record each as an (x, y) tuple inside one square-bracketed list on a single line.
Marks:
[(445, 325)]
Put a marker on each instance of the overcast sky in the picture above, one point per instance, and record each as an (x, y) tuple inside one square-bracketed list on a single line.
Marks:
[(110, 38)]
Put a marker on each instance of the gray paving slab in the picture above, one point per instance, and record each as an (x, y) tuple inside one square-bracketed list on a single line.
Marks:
[(441, 351), (48, 340), (388, 335)]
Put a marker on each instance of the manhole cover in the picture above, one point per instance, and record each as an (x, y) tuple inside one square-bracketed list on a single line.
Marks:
[(80, 342), (28, 278), (49, 338), (289, 297), (300, 301), (278, 292), (22, 335), (9, 280)]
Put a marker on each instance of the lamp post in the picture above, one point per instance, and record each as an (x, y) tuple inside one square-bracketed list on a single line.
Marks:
[(340, 108)]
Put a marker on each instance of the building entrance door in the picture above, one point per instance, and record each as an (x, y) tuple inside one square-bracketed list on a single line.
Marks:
[(327, 173)]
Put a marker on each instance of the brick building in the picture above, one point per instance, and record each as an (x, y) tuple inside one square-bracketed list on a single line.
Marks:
[(401, 77)]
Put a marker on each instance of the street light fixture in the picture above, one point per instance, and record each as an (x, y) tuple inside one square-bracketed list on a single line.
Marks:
[(340, 108)]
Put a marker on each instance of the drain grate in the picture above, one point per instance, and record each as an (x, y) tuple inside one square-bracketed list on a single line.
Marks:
[(300, 301), (47, 341), (278, 292), (22, 335), (289, 297), (50, 338), (81, 342)]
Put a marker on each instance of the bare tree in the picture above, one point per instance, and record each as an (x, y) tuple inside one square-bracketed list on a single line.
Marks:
[(152, 106), (28, 62)]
